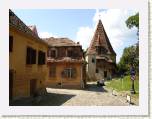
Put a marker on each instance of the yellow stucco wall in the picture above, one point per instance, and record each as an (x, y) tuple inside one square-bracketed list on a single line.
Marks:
[(23, 73), (66, 82)]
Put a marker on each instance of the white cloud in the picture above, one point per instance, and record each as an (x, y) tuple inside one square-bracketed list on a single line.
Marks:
[(84, 35), (46, 35), (114, 24)]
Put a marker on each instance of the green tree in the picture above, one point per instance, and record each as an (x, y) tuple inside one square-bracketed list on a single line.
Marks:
[(133, 21), (129, 57), (130, 54)]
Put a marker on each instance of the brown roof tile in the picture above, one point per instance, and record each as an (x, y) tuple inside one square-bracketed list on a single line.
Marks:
[(60, 42), (100, 38), (19, 25)]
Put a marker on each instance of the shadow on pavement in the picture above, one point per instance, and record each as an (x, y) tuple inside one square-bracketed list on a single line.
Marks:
[(95, 88), (49, 99)]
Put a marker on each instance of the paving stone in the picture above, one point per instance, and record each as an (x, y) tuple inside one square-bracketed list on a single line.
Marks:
[(91, 96)]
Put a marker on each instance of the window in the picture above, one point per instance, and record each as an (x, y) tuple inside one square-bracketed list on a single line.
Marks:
[(10, 43), (69, 54), (52, 72), (30, 56), (69, 73), (93, 60), (101, 50), (97, 71), (77, 53), (41, 58), (53, 53), (49, 53)]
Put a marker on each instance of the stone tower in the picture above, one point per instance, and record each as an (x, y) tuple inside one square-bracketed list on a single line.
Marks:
[(100, 56)]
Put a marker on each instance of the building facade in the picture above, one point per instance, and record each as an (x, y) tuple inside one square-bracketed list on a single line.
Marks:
[(27, 59), (100, 56), (66, 64)]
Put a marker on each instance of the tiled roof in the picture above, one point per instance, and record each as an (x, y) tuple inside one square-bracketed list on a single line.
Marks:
[(60, 42), (100, 38), (19, 25)]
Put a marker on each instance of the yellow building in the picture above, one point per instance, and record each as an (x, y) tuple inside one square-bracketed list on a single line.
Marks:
[(66, 64), (27, 59)]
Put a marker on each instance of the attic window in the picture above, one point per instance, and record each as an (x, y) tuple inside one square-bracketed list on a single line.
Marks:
[(101, 50)]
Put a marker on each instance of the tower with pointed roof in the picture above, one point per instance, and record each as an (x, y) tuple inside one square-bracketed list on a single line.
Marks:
[(100, 55)]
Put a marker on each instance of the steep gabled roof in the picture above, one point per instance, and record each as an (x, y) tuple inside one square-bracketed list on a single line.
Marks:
[(20, 26), (100, 38)]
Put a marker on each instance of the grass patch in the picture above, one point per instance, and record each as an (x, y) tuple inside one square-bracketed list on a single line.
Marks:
[(124, 84)]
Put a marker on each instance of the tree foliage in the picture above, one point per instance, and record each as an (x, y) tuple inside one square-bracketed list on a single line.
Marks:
[(130, 54), (133, 21), (129, 57)]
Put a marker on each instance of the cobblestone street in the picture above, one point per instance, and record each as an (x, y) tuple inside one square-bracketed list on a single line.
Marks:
[(91, 96)]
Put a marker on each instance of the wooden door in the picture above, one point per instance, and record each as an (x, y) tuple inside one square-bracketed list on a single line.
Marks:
[(32, 87), (105, 74)]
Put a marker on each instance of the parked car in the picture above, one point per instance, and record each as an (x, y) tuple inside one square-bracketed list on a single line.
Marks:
[(100, 82)]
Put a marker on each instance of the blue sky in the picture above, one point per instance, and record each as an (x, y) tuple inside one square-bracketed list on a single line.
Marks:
[(64, 23), (79, 25)]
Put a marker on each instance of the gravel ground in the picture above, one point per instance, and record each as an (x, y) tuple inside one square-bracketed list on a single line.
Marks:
[(91, 96)]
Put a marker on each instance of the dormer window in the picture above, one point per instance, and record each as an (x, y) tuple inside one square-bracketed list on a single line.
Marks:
[(101, 50)]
